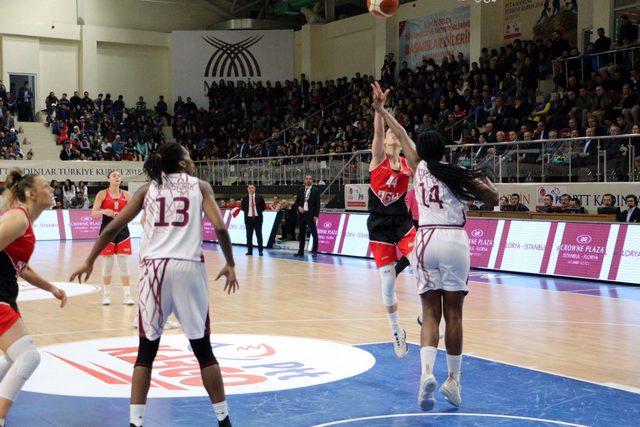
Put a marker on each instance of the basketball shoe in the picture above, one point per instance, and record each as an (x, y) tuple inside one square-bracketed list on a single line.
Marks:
[(450, 389), (400, 344), (428, 385)]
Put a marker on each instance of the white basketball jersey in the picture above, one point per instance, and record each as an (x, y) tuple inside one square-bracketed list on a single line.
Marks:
[(437, 205), (172, 219)]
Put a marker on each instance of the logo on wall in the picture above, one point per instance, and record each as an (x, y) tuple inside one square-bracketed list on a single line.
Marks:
[(232, 59), (249, 364)]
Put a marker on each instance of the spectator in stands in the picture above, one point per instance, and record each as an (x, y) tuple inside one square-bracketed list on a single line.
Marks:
[(515, 205), (50, 102), (141, 105), (632, 214), (608, 206), (67, 153), (68, 193), (25, 103), (565, 201), (388, 69), (79, 201), (628, 32), (628, 105), (503, 203), (575, 206), (98, 103), (602, 43), (547, 204), (601, 104), (162, 109)]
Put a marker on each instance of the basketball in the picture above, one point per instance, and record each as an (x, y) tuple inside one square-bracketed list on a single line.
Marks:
[(382, 8)]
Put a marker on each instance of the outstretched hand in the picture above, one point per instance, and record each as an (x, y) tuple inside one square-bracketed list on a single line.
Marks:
[(231, 286), (379, 96), (86, 269)]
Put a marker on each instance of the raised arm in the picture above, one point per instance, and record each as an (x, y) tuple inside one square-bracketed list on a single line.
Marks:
[(488, 191), (377, 146), (408, 147), (211, 211), (133, 208)]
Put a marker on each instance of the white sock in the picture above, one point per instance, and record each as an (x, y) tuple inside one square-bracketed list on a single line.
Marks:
[(136, 414), (221, 410), (106, 290), (428, 357), (394, 321), (1, 422), (127, 292), (453, 364)]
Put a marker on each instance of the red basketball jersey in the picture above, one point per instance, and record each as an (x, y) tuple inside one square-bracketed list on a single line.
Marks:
[(388, 188), (21, 249), (115, 204)]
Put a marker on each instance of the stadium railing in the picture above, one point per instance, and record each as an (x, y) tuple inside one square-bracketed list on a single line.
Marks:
[(616, 158)]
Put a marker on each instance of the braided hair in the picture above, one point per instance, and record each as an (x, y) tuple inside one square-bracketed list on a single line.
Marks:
[(430, 147), (165, 160)]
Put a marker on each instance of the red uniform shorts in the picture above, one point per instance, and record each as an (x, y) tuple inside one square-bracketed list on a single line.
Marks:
[(121, 248), (8, 316), (385, 253)]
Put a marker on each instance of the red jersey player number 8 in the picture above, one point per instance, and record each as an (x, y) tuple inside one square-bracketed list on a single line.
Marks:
[(434, 195)]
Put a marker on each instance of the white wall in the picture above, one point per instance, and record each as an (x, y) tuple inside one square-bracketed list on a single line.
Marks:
[(132, 71), (59, 62), (162, 16)]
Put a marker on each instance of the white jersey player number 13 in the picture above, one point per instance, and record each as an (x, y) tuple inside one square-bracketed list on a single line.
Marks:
[(172, 277)]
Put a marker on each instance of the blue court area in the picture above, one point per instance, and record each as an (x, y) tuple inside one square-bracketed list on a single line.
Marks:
[(385, 395)]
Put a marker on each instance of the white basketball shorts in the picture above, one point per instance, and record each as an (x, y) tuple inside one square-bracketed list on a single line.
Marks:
[(441, 260), (173, 286)]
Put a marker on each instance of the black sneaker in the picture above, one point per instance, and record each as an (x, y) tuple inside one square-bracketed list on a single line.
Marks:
[(225, 422)]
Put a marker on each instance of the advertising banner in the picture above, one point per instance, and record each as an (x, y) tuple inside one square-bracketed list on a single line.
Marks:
[(201, 58), (78, 224), (356, 197), (584, 250), (435, 36)]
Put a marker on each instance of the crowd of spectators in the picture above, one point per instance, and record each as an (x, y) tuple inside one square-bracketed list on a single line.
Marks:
[(10, 144), (103, 128), (68, 195), (492, 100)]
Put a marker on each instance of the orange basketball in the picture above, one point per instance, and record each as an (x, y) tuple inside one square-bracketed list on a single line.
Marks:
[(382, 8)]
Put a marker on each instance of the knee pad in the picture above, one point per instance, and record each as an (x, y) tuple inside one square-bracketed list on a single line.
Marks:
[(107, 265), (203, 352), (147, 351), (388, 282), (25, 356), (123, 267)]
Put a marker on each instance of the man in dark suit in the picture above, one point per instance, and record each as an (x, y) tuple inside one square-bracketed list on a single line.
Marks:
[(633, 213), (253, 205), (308, 204)]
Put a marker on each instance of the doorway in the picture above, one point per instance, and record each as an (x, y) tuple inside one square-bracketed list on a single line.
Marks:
[(25, 102)]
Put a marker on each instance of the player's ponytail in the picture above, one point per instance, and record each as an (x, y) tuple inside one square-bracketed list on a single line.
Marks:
[(17, 185), (165, 160), (461, 181)]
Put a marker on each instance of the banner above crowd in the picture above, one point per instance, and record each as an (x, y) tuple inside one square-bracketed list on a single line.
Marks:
[(435, 36), (200, 58), (75, 170)]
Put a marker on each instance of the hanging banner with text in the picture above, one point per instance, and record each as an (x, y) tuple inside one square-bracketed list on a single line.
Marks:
[(75, 170), (200, 58), (435, 36)]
